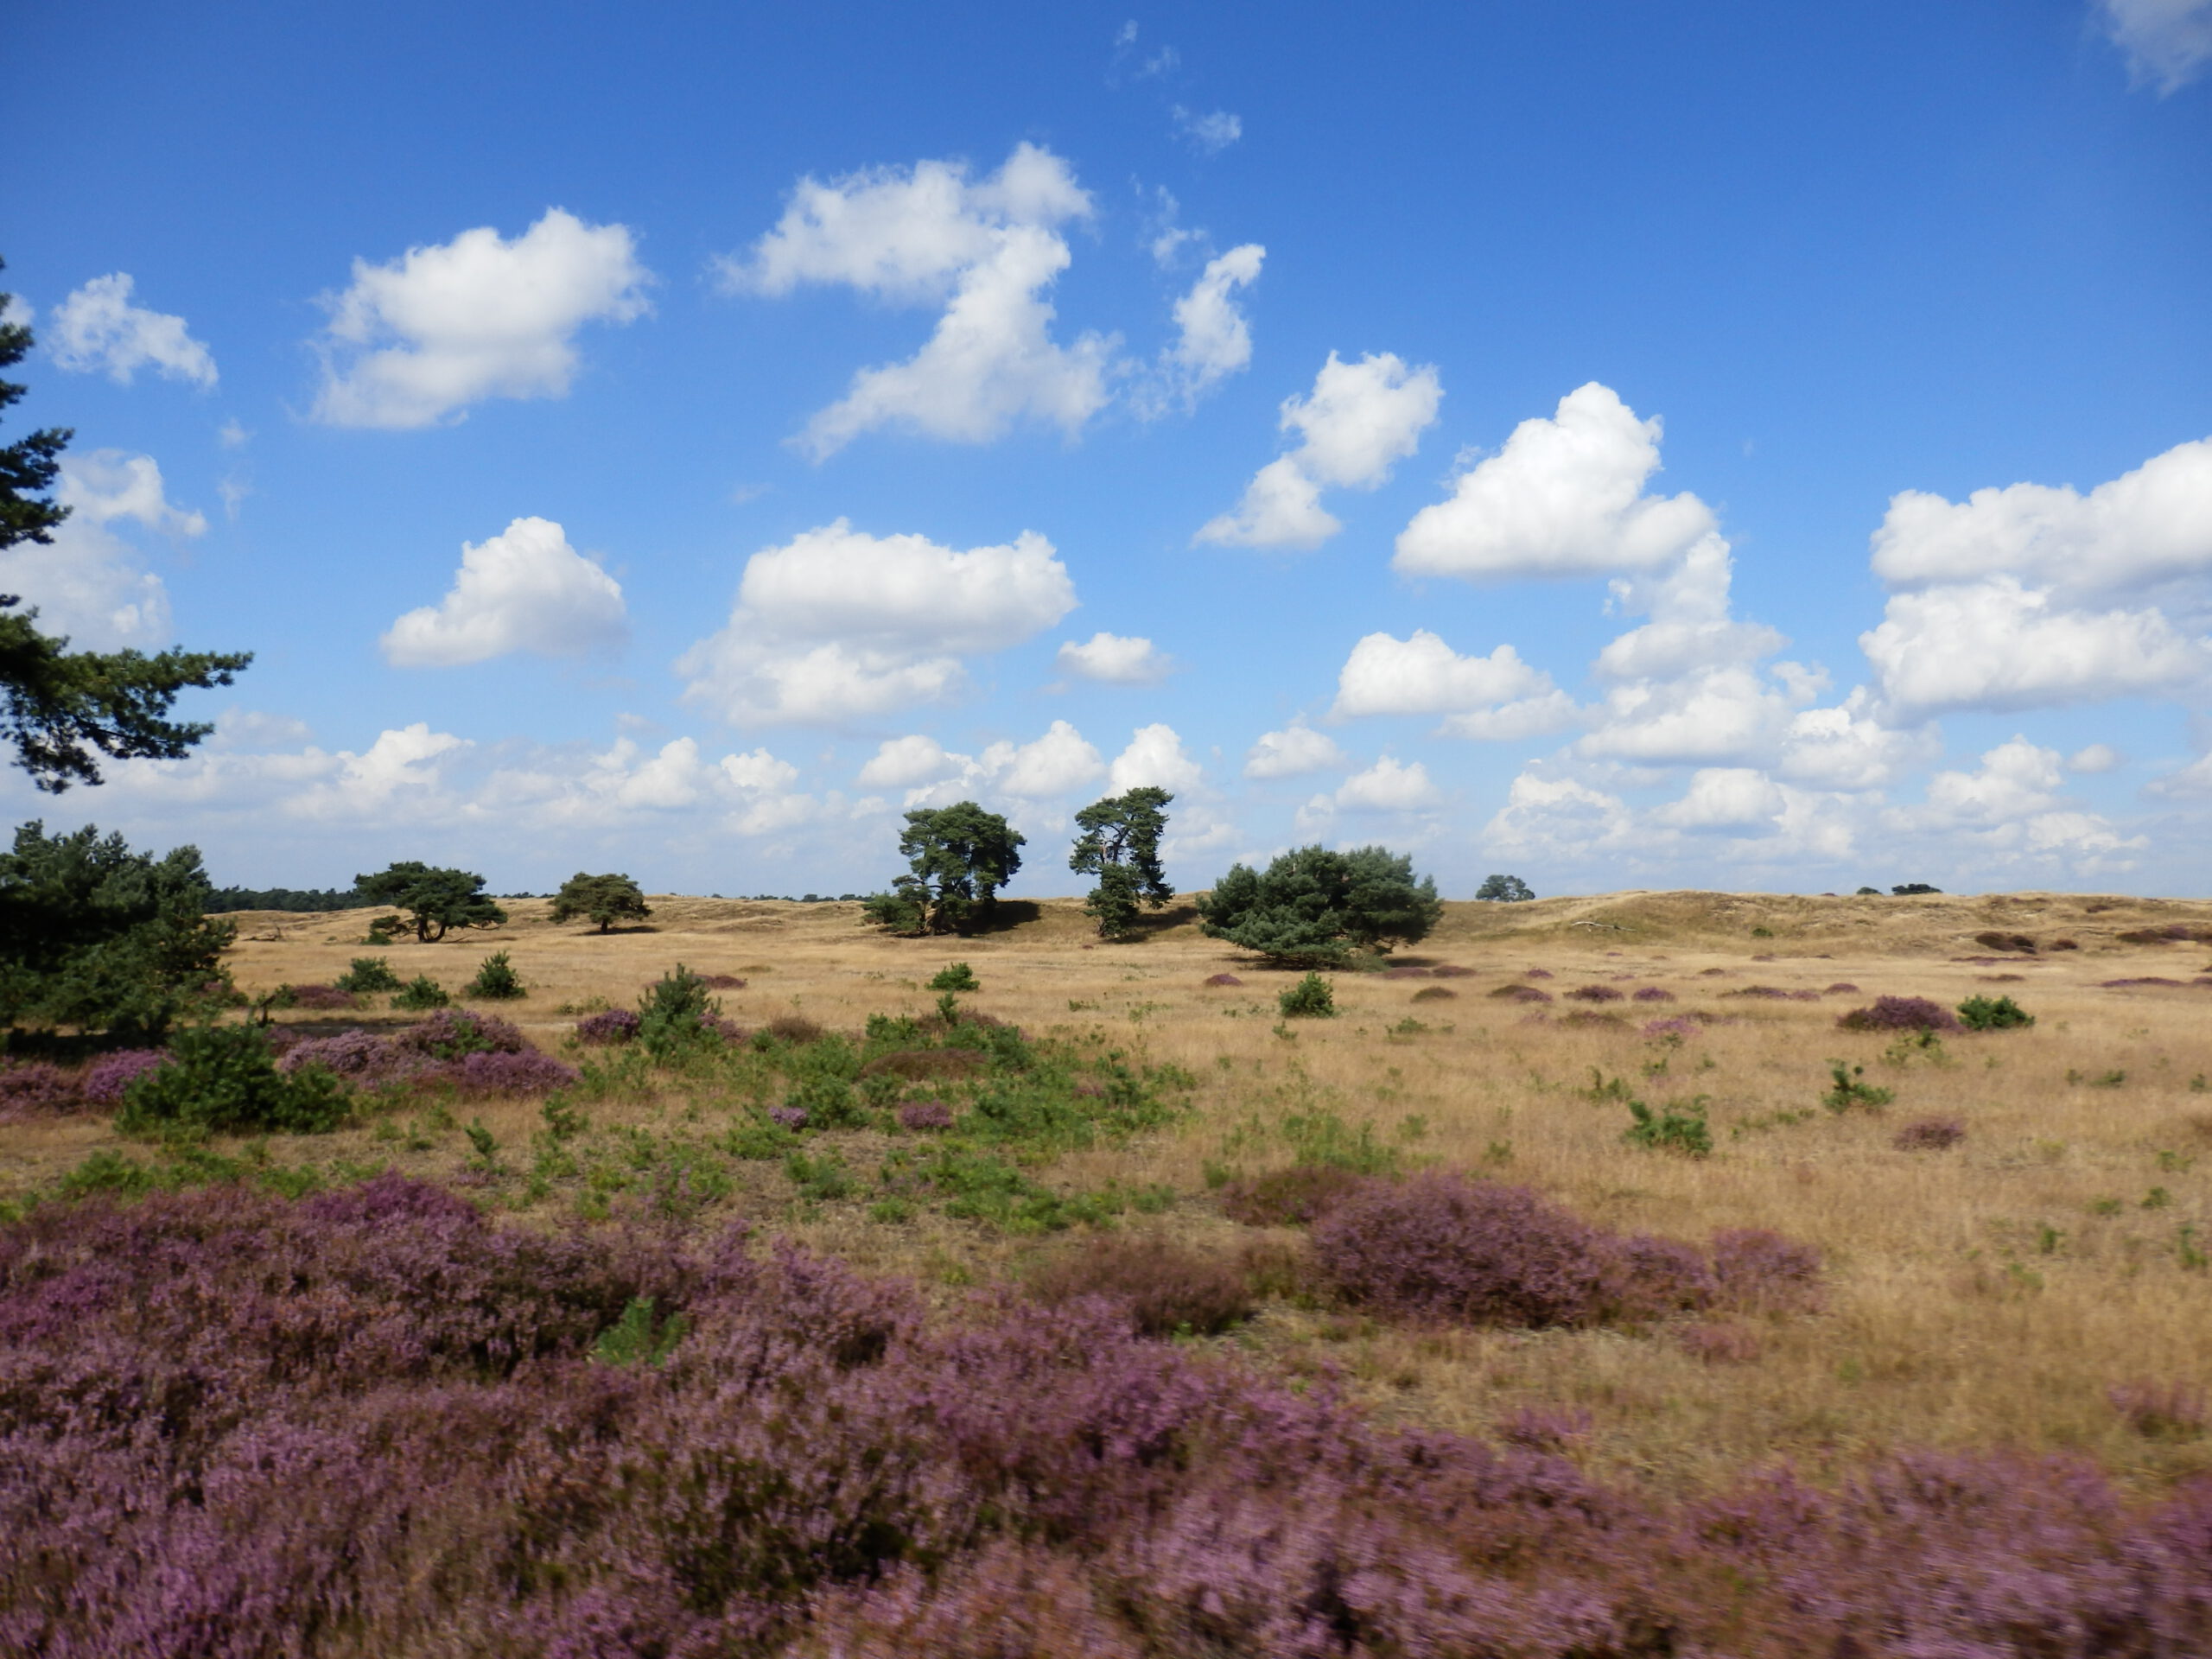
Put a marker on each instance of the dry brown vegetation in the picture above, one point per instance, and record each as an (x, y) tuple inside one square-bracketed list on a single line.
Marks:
[(1993, 1292)]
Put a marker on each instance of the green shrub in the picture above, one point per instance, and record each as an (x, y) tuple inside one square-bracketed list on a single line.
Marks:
[(638, 1339), (368, 974), (224, 1080), (496, 980), (420, 994), (677, 1015), (1993, 1013), (956, 976), (1679, 1126), (1312, 998), (1852, 1089)]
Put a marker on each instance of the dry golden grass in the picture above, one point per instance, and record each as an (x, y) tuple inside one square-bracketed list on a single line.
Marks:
[(1989, 1293)]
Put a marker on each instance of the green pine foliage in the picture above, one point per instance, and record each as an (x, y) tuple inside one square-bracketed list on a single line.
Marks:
[(434, 900), (368, 974), (420, 994), (1315, 906), (1993, 1013), (958, 857), (956, 976), (223, 1080), (1312, 998), (1504, 890), (1679, 1126), (496, 980), (601, 900), (1120, 845)]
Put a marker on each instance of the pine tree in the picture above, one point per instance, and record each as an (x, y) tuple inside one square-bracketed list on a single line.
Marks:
[(1120, 845)]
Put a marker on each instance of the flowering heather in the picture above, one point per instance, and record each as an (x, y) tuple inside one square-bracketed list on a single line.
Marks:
[(36, 1089), (1522, 993), (1929, 1135), (1759, 1271), (1769, 993), (374, 1423), (317, 996), (615, 1025), (105, 1078), (788, 1117), (1900, 1013), (1841, 985), (924, 1115), (1287, 1197), (1593, 994), (1451, 971), (452, 1032), (1223, 978), (1655, 993), (1164, 1289), (1677, 1028), (502, 1072), (1537, 973)]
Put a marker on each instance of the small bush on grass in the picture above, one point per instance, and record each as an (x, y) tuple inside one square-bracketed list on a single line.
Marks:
[(794, 1028), (1993, 1013), (1168, 1290), (366, 974), (922, 1116), (1289, 1198), (1435, 994), (1223, 978), (956, 976), (1929, 1135), (602, 1029), (318, 997), (1900, 1013), (106, 1078), (1312, 998), (1679, 1126), (1521, 994), (420, 994), (496, 980), (1594, 994), (1850, 1089), (1655, 993), (36, 1089), (224, 1080), (678, 1017)]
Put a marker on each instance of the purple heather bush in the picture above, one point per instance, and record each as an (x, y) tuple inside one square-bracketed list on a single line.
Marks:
[(1840, 986), (1223, 978), (1537, 973), (377, 1423), (1901, 1013), (924, 1114), (451, 1033), (502, 1072), (105, 1078), (34, 1089), (615, 1025), (1675, 1029), (1655, 993), (788, 1117), (318, 996), (1522, 993), (1759, 1271), (1593, 994)]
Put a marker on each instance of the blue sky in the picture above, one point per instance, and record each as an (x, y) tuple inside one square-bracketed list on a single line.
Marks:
[(1728, 445)]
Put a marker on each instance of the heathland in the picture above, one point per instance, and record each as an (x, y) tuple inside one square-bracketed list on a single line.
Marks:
[(1988, 1246)]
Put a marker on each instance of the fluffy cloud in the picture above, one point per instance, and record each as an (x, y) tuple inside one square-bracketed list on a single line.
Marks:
[(98, 328), (903, 762), (2096, 758), (1156, 757), (1293, 753), (1209, 134), (2009, 809), (1114, 659), (420, 339), (1359, 421), (987, 252), (837, 623), (1213, 340), (1389, 786), (1999, 644), (525, 590), (1495, 696), (1564, 498), (2167, 42), (1556, 818), (1052, 766), (1726, 797), (87, 583)]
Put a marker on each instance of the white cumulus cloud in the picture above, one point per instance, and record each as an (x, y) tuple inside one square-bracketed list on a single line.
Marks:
[(1293, 753), (1213, 338), (419, 339), (1564, 498), (524, 590), (1156, 757), (1051, 765), (98, 329), (1114, 659), (1726, 797), (1209, 134), (2167, 42), (2094, 759), (1389, 785), (903, 762), (1360, 420), (837, 623), (987, 252), (1496, 696)]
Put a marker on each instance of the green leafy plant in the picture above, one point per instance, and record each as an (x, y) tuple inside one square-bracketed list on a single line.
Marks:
[(1679, 1126), (677, 1015), (1850, 1089), (957, 976), (223, 1080), (368, 974), (1993, 1013), (420, 994), (1314, 906), (1312, 998), (603, 899), (496, 980)]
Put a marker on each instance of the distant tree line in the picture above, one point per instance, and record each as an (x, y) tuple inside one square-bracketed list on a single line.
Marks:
[(223, 899)]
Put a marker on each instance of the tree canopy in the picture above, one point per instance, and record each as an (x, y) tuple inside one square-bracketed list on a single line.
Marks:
[(605, 899), (1504, 890), (98, 936), (1120, 845), (958, 857), (1313, 905), (435, 900), (61, 710)]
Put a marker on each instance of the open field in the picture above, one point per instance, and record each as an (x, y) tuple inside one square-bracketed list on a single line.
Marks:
[(1990, 1294)]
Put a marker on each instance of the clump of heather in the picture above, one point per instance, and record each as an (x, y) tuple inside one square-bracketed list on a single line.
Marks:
[(788, 1117), (1594, 994), (1289, 1198), (1655, 993), (105, 1078), (920, 1116), (1761, 1271), (34, 1089), (1166, 1289), (1929, 1135), (602, 1029), (1223, 978), (501, 1072), (1521, 994), (1900, 1013), (1674, 1030)]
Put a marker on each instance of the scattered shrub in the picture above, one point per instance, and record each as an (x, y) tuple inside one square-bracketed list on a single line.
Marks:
[(1450, 970), (1537, 973), (922, 1115), (604, 1030), (525, 1072), (1167, 1288), (2005, 942), (1522, 993), (225, 1079), (2064, 945), (1841, 986), (793, 1028), (106, 1078), (2147, 979), (35, 1089), (453, 1033), (788, 1117), (1762, 1272), (956, 976), (317, 997), (676, 1016), (496, 980), (1679, 1126), (1312, 998), (2172, 1411), (1929, 1135), (368, 974), (1850, 1089), (1295, 1197), (723, 981), (2171, 933), (1653, 994), (1765, 992), (1223, 978), (1900, 1013), (420, 992), (1993, 1013), (916, 1065), (1594, 994), (1435, 994)]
